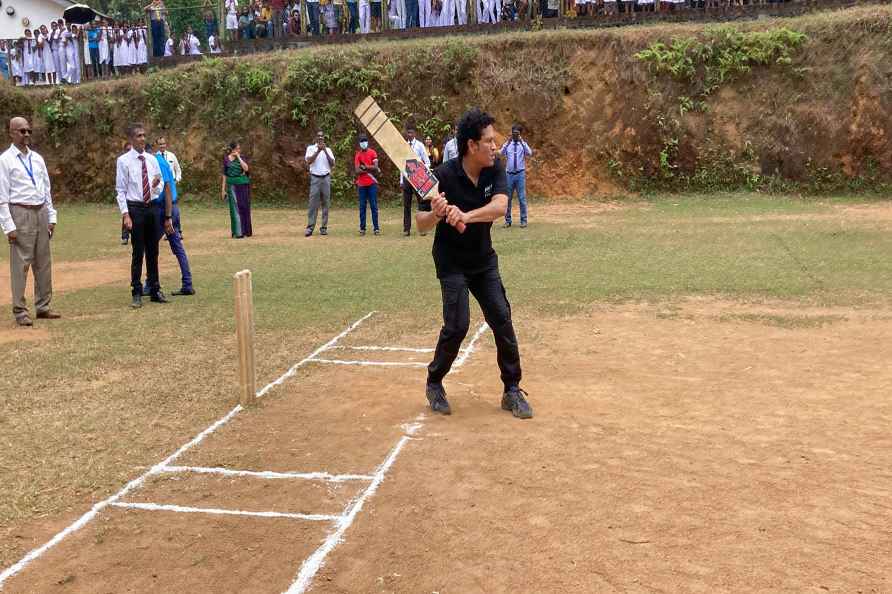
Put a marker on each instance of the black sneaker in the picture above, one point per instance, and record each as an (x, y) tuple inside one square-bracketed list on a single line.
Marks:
[(506, 225), (323, 231), (514, 400), (308, 231), (436, 395), (158, 297), (361, 232), (377, 231)]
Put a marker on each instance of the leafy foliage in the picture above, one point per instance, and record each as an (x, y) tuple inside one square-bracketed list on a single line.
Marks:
[(723, 54)]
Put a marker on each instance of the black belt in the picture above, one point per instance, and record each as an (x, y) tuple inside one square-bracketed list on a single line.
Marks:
[(314, 175), (135, 204), (516, 172)]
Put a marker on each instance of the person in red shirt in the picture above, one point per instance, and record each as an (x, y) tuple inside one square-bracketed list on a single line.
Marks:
[(365, 165)]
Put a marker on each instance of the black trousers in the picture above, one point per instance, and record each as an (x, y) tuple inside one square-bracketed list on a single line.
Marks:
[(409, 195), (489, 292), (144, 239)]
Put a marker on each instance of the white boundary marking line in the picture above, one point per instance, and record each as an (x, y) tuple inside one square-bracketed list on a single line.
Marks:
[(224, 512), (471, 346), (88, 516), (385, 348), (314, 562), (269, 474), (369, 363)]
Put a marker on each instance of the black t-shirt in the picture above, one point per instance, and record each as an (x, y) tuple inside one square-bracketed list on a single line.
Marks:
[(469, 252)]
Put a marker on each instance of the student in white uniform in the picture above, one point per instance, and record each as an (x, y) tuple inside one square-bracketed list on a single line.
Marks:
[(365, 16), (49, 59), (71, 58), (103, 49), (142, 54), (231, 20), (169, 47), (214, 45), (194, 44), (28, 52)]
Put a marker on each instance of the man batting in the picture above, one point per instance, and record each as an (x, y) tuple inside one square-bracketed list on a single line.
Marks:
[(473, 191)]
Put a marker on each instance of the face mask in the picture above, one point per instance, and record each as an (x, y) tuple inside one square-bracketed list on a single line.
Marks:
[(363, 145)]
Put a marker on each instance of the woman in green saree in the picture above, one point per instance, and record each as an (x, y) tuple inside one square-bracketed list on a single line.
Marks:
[(237, 190)]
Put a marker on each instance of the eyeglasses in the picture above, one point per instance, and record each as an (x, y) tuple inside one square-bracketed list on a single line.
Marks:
[(24, 130)]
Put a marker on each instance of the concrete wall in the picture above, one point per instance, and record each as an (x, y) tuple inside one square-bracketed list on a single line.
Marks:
[(39, 12)]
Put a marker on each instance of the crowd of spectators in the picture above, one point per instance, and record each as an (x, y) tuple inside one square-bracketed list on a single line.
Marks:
[(66, 53)]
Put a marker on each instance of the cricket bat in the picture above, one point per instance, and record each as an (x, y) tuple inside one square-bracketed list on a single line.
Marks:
[(398, 150)]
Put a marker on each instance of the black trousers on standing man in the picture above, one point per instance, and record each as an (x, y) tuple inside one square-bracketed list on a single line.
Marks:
[(144, 238), (488, 290)]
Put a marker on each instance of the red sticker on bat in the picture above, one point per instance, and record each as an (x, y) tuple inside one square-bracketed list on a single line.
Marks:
[(421, 178)]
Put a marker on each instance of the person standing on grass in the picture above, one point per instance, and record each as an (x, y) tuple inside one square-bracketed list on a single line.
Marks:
[(237, 190), (516, 150), (138, 181), (450, 150), (365, 165), (320, 159), (473, 191), (408, 191), (28, 220), (174, 239)]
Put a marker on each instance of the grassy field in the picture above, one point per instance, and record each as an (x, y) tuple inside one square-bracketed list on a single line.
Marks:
[(75, 425)]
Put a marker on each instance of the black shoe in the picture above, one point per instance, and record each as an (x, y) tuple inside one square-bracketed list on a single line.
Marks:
[(184, 291), (436, 395), (308, 232), (137, 301), (514, 400), (377, 231), (506, 225), (158, 297), (406, 233), (361, 232), (124, 241), (323, 231)]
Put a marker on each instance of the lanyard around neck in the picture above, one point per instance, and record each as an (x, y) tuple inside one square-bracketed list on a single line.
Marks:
[(28, 170)]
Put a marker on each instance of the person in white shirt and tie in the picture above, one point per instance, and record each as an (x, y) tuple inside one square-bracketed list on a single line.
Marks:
[(28, 220), (138, 181), (516, 150), (408, 191), (321, 159)]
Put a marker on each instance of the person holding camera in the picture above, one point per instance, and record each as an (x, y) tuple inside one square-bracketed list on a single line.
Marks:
[(516, 150), (320, 159)]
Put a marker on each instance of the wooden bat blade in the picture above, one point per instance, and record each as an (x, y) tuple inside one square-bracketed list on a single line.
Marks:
[(370, 114)]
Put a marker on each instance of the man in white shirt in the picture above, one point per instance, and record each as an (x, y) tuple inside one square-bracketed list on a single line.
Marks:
[(28, 220), (320, 159), (408, 191), (138, 181), (450, 150), (168, 47)]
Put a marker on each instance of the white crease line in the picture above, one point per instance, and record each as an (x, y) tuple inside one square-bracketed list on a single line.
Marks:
[(312, 355), (381, 348), (471, 346), (84, 519), (225, 512), (269, 474), (368, 363), (314, 562)]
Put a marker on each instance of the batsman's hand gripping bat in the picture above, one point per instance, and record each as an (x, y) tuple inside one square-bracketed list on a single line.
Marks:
[(389, 138)]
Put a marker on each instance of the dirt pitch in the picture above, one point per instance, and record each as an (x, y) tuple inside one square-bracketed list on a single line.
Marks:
[(694, 450)]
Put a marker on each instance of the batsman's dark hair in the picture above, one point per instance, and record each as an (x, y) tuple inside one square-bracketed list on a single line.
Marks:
[(232, 145), (132, 128), (470, 127)]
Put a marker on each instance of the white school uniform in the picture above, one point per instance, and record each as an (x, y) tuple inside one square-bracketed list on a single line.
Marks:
[(103, 45), (49, 61), (194, 46), (28, 55), (232, 15), (143, 48), (168, 47)]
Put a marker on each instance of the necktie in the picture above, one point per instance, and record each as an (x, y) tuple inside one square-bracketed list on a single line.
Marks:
[(146, 191)]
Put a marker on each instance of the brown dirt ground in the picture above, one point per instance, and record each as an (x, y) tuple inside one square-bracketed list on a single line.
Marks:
[(690, 452)]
